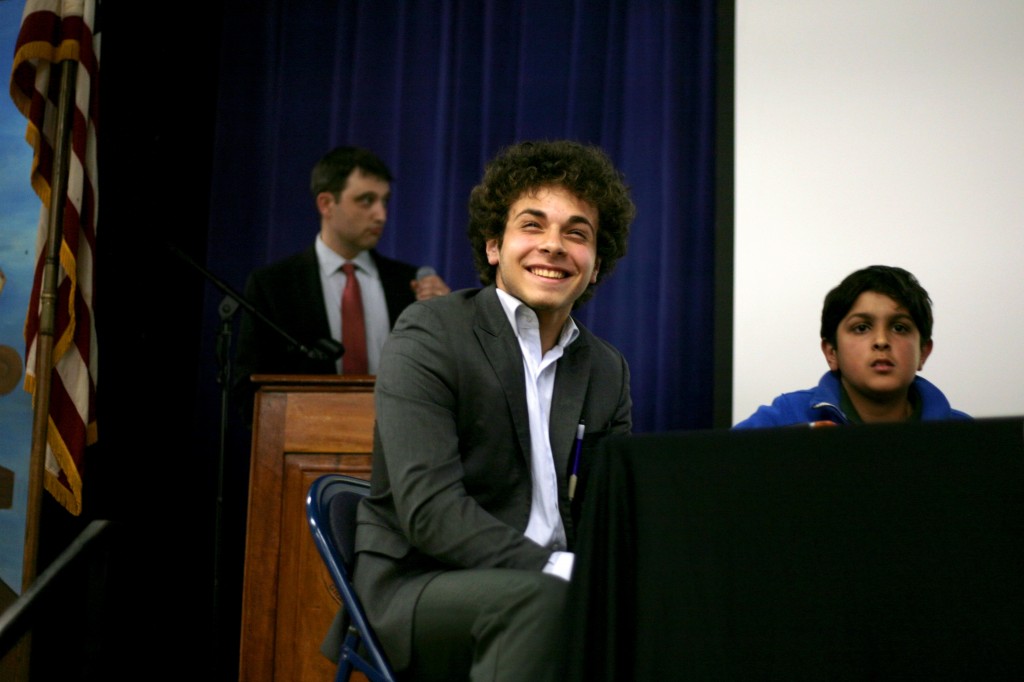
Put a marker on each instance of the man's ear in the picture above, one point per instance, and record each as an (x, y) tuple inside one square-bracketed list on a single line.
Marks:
[(926, 350), (324, 201), (831, 354), (493, 251), (597, 269)]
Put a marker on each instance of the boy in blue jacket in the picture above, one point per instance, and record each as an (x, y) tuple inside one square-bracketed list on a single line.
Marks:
[(876, 333)]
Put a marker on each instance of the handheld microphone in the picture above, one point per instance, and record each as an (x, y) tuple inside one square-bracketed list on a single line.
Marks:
[(425, 271)]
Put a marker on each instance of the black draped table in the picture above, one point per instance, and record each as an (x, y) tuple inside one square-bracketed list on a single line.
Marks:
[(856, 553)]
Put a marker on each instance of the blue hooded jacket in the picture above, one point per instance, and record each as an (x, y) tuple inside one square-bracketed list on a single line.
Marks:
[(822, 404)]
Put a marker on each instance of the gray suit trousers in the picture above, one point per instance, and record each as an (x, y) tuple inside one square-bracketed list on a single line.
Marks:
[(489, 624)]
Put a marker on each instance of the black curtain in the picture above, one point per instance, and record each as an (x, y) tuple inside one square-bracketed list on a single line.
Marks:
[(436, 89)]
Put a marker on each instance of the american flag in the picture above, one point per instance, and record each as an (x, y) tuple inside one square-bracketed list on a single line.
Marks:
[(53, 31)]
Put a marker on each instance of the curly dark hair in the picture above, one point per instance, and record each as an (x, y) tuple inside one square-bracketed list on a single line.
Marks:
[(584, 170)]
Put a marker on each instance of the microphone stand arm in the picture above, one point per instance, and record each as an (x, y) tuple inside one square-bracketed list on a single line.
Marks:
[(327, 349)]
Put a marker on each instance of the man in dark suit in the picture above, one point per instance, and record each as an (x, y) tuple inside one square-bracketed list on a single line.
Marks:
[(465, 542), (302, 293)]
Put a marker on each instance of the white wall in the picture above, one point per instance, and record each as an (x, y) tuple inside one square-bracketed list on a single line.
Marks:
[(880, 132)]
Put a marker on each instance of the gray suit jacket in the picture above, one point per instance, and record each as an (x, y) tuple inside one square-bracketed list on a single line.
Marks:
[(451, 481)]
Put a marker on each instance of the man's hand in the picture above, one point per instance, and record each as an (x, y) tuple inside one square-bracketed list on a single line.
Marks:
[(429, 287)]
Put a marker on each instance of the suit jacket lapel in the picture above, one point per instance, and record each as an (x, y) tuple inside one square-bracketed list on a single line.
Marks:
[(394, 279), (571, 382), (313, 294), (572, 379), (501, 347)]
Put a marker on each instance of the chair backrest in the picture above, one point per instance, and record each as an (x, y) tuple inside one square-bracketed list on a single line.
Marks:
[(331, 510)]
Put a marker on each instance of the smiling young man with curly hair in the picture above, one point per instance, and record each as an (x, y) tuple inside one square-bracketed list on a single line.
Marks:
[(465, 542)]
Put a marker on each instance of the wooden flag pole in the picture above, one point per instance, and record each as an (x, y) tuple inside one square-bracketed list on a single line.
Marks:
[(47, 319), (44, 351)]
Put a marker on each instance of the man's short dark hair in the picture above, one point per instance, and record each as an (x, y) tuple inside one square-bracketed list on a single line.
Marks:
[(894, 282), (331, 172), (583, 170)]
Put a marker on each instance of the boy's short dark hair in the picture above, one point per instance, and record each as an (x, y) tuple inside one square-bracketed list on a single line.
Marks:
[(894, 282), (584, 170), (332, 170)]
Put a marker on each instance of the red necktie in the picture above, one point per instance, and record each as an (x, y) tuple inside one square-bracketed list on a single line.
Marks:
[(353, 329)]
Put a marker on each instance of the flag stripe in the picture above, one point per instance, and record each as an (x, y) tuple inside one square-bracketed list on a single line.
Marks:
[(53, 31)]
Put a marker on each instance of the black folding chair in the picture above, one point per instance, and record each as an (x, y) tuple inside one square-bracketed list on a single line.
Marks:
[(331, 511)]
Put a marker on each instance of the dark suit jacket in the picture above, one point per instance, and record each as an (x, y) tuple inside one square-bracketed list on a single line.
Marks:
[(451, 481), (289, 293)]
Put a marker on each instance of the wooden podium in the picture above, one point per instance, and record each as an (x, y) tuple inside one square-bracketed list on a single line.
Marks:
[(303, 426)]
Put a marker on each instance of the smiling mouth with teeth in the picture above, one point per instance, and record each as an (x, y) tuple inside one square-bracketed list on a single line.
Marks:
[(552, 274)]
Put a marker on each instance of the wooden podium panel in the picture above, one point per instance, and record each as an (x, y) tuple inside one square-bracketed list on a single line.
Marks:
[(303, 427)]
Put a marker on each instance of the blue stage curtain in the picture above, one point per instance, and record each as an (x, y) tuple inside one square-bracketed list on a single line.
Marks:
[(436, 89)]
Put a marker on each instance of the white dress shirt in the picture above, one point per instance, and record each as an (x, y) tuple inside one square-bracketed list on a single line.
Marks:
[(375, 306), (545, 525)]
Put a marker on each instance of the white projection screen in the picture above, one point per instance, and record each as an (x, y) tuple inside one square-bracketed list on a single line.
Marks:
[(880, 132)]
